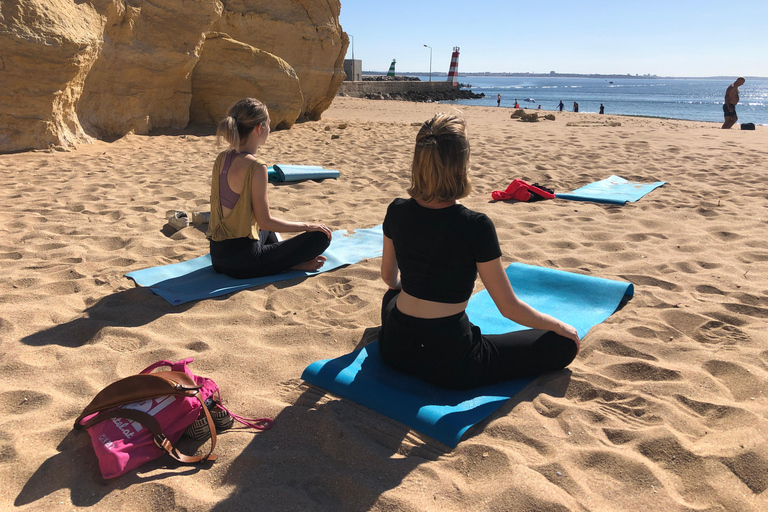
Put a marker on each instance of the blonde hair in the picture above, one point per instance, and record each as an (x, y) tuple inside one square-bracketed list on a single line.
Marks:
[(242, 118), (441, 160)]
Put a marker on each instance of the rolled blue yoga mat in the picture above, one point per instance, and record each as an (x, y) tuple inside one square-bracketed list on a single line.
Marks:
[(612, 190), (195, 279), (361, 376), (281, 173)]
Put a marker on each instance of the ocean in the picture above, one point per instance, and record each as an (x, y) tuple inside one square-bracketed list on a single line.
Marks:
[(696, 99)]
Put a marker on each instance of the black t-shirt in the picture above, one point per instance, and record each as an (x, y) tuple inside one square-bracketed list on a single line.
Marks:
[(438, 250)]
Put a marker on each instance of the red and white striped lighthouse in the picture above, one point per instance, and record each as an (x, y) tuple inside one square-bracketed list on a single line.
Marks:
[(453, 72)]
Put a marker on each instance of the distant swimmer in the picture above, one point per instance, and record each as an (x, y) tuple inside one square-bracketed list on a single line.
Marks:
[(602, 109), (561, 106), (731, 99)]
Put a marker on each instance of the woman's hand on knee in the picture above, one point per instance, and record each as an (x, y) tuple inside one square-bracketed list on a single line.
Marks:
[(320, 227), (568, 331)]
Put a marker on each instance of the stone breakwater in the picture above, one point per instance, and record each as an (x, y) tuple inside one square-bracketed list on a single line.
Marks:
[(407, 90)]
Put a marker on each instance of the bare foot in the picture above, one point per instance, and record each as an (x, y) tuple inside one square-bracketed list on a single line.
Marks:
[(311, 265)]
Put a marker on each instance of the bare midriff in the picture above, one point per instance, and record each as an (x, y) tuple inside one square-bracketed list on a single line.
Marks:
[(421, 308)]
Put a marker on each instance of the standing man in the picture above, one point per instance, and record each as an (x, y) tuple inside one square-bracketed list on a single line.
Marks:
[(560, 106), (731, 99), (602, 109), (498, 100)]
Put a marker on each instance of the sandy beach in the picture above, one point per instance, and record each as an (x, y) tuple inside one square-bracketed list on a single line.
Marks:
[(664, 409)]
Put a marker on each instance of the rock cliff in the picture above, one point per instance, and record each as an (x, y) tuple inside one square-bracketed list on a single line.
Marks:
[(75, 69), (47, 48)]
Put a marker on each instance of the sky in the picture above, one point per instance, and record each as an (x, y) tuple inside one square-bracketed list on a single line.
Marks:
[(664, 38)]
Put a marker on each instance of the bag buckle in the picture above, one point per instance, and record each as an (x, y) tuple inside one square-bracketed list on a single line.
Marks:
[(160, 441)]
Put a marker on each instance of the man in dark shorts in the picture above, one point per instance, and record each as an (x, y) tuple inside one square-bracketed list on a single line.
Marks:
[(731, 99)]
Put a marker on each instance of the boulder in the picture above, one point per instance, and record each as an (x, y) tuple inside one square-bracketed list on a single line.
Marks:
[(517, 113), (533, 117), (550, 117), (141, 79), (47, 48), (305, 34), (229, 70)]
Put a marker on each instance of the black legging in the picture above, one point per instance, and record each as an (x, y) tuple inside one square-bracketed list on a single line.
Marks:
[(244, 258), (450, 352)]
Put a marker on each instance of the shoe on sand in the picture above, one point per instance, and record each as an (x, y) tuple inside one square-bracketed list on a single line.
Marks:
[(178, 220)]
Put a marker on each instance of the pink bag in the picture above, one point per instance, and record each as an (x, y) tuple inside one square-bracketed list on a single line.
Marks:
[(139, 418)]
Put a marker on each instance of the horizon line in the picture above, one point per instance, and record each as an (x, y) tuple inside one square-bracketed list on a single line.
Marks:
[(523, 73)]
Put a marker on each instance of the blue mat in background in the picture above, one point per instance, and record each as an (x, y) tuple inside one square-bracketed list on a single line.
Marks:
[(613, 190), (282, 173), (361, 376), (195, 279)]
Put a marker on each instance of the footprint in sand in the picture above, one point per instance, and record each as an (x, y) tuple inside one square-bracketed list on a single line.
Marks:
[(616, 348), (640, 371), (740, 381), (716, 332), (23, 401), (717, 415), (752, 468)]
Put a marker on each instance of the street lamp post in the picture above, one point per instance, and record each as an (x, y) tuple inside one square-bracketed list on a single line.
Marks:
[(430, 61)]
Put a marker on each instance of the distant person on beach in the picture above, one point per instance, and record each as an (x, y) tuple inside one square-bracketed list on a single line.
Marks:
[(516, 105), (539, 107), (731, 99), (561, 106), (498, 100), (242, 230), (575, 107), (602, 109), (434, 248)]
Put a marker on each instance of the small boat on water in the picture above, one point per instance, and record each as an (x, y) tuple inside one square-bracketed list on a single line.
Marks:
[(530, 100)]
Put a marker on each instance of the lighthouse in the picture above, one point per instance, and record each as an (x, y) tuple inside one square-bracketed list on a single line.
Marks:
[(391, 71), (453, 72)]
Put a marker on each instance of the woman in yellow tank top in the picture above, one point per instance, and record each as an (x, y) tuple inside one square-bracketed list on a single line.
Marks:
[(242, 230)]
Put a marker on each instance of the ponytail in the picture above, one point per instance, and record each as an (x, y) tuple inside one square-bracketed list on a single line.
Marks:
[(242, 118)]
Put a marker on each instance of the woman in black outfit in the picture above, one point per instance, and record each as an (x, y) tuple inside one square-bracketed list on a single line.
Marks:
[(434, 249)]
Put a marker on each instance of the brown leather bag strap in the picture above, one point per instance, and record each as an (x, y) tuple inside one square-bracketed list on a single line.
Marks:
[(138, 388)]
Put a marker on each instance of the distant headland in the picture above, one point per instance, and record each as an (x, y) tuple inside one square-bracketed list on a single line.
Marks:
[(553, 74)]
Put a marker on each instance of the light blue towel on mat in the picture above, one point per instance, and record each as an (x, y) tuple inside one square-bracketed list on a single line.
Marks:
[(195, 279), (361, 376), (612, 190)]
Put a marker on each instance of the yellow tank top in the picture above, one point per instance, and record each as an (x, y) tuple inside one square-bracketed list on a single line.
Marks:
[(240, 222)]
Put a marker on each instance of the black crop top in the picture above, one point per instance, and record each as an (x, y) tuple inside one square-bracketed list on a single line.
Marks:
[(437, 249)]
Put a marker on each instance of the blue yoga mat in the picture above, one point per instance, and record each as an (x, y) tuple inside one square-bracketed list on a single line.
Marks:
[(282, 173), (361, 376), (612, 190), (195, 279)]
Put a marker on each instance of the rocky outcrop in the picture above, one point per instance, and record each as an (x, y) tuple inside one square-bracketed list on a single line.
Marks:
[(70, 69), (142, 77), (47, 48), (249, 72), (304, 33)]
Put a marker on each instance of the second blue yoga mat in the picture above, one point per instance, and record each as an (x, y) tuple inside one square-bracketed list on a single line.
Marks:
[(580, 300), (282, 173), (612, 190), (195, 279)]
